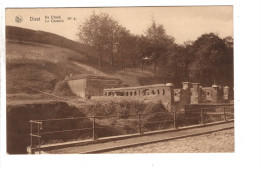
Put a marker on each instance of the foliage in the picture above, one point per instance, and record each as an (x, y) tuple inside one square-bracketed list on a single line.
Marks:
[(154, 107), (213, 60), (158, 121), (158, 44), (206, 60), (114, 108), (106, 35), (62, 88)]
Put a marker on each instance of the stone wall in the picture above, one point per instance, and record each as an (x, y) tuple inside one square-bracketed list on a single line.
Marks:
[(95, 86), (172, 99), (163, 93), (177, 95), (83, 85), (78, 87)]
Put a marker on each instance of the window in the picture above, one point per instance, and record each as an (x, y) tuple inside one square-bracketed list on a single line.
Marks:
[(163, 92), (120, 93), (158, 92)]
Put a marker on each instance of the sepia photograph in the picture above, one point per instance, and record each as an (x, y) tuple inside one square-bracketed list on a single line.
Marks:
[(119, 80)]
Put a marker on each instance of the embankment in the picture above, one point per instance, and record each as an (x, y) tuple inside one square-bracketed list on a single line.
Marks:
[(18, 117)]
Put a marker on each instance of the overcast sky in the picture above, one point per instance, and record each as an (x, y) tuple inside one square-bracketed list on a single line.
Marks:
[(183, 23)]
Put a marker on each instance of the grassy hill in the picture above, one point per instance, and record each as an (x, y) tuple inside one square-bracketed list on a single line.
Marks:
[(37, 66), (34, 38), (41, 60), (28, 35)]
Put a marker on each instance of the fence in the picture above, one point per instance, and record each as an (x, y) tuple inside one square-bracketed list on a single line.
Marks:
[(95, 126)]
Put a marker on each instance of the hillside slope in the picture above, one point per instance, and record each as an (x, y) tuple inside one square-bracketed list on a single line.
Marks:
[(31, 65), (41, 37), (40, 60)]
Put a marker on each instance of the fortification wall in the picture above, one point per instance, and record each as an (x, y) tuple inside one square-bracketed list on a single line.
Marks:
[(163, 93), (172, 99), (78, 87), (83, 85), (95, 87)]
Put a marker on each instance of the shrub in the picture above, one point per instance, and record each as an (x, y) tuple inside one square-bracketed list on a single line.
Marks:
[(122, 108), (62, 88), (154, 108), (158, 121)]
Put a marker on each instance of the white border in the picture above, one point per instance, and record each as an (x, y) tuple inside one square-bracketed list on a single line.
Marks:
[(247, 135)]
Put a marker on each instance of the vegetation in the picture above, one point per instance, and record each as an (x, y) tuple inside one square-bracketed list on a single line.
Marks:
[(18, 128), (109, 46), (206, 60), (105, 35), (41, 37)]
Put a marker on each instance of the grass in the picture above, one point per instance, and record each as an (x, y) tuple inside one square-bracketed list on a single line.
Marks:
[(38, 66), (18, 117)]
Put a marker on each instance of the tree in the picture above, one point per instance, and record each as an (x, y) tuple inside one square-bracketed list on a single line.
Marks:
[(179, 59), (158, 44), (211, 60), (125, 47), (98, 31)]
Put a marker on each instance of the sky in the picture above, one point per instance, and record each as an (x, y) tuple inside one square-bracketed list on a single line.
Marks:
[(183, 23)]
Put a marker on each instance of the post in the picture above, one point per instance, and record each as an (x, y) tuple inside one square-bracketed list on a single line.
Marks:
[(225, 117), (174, 120), (93, 126), (39, 139), (140, 125), (201, 116), (31, 135)]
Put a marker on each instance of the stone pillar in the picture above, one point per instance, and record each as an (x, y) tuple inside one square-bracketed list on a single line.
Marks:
[(226, 93), (185, 96), (195, 93), (169, 94), (186, 85), (214, 93)]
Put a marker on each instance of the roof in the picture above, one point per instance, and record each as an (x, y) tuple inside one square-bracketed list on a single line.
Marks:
[(89, 76), (136, 87)]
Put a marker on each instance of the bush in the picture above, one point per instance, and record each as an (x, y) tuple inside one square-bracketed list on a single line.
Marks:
[(113, 108), (154, 108), (62, 88), (158, 121)]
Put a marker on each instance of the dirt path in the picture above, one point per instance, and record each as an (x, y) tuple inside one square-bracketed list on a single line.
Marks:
[(90, 69), (129, 76)]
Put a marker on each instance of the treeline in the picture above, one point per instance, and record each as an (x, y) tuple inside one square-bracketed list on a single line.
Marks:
[(206, 60)]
